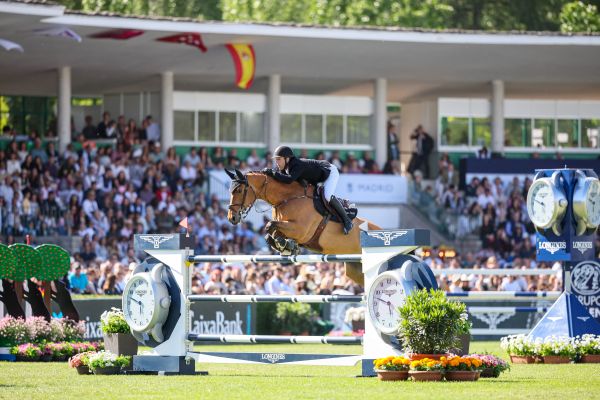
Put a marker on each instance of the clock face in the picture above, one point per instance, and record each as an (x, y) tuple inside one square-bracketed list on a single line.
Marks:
[(139, 303), (385, 296), (592, 203), (541, 203)]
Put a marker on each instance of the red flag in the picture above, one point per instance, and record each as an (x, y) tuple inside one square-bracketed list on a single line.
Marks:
[(191, 39), (119, 34)]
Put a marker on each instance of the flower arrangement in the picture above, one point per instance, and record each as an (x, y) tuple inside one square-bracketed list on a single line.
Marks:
[(466, 363), (104, 359), (392, 363), (558, 346), (354, 314), (113, 321), (518, 345), (494, 364), (13, 331), (27, 352), (80, 360), (588, 345), (296, 318), (427, 364), (430, 323)]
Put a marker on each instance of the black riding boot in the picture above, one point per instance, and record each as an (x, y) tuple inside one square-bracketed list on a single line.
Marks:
[(337, 206)]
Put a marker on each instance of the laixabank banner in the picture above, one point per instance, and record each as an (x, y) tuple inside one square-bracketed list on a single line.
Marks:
[(585, 284), (207, 318)]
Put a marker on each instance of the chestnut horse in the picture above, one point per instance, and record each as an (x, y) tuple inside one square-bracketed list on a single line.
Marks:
[(294, 217)]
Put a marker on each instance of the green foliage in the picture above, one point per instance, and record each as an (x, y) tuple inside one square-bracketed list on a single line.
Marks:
[(579, 17), (295, 317), (430, 323), (113, 321)]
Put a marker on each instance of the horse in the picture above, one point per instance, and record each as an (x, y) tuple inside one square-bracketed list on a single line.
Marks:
[(294, 218)]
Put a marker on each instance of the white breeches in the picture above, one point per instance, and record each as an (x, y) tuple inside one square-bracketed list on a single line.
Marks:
[(331, 182)]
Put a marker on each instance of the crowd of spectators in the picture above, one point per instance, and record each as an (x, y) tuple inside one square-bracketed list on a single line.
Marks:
[(106, 193)]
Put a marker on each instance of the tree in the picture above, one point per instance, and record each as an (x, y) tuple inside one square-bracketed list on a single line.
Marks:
[(579, 17)]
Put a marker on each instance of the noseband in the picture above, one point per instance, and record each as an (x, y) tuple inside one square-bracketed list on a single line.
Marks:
[(244, 210)]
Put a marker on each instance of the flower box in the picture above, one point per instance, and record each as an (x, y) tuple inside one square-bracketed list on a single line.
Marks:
[(522, 359), (489, 373), (83, 370), (557, 359), (121, 343), (462, 375), (107, 370), (590, 358), (384, 375), (425, 376)]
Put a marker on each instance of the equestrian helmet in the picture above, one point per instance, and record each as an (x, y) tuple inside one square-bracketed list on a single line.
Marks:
[(284, 151)]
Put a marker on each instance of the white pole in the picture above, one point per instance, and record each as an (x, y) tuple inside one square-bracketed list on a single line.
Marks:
[(379, 134), (497, 116), (273, 112), (64, 108), (166, 95)]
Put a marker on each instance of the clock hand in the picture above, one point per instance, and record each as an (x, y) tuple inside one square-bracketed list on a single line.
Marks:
[(385, 301)]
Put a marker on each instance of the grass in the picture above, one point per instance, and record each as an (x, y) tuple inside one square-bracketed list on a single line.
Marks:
[(226, 381)]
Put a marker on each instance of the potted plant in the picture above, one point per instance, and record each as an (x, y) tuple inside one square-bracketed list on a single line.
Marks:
[(27, 352), (81, 362), (392, 368), (430, 323), (106, 363), (426, 369), (295, 318), (588, 349), (117, 334), (558, 350), (462, 368), (355, 316), (13, 332), (520, 348), (492, 366)]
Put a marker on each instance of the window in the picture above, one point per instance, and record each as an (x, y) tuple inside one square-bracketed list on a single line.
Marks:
[(206, 126), (291, 128), (567, 134), (184, 125), (358, 130), (314, 128), (227, 126), (252, 127), (590, 129), (335, 129), (482, 132), (543, 133), (517, 132), (455, 131)]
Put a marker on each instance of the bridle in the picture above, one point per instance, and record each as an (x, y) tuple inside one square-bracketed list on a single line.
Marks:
[(243, 210)]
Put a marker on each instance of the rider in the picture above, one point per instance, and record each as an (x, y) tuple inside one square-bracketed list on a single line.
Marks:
[(293, 169)]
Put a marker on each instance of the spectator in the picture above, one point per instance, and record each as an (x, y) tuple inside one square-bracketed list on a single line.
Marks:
[(420, 156), (152, 130), (89, 131), (78, 280), (392, 142)]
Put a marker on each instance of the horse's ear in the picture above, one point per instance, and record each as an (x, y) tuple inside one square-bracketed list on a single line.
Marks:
[(229, 173), (239, 174)]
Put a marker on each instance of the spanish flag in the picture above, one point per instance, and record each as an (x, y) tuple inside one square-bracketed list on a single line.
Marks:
[(245, 63)]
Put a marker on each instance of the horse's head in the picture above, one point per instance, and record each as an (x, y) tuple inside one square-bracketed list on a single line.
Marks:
[(242, 196)]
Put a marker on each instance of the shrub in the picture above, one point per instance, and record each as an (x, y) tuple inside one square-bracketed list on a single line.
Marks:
[(13, 332), (430, 323), (295, 317)]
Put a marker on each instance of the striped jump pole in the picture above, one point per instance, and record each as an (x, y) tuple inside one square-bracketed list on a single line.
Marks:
[(502, 295), (335, 298), (262, 258), (271, 339)]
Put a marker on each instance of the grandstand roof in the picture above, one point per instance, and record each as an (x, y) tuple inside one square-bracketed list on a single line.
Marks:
[(311, 59)]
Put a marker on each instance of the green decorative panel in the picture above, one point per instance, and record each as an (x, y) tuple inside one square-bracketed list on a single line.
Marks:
[(55, 262), (8, 263), (28, 261)]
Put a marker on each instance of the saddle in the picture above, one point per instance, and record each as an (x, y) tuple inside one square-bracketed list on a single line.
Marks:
[(322, 206)]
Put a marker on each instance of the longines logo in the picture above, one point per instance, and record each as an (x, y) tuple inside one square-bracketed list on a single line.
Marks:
[(586, 278), (156, 240), (582, 246), (388, 236), (272, 357), (553, 247)]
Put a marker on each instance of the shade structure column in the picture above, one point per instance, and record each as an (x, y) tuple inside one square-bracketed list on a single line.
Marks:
[(497, 117), (166, 101), (379, 134), (64, 108), (273, 111)]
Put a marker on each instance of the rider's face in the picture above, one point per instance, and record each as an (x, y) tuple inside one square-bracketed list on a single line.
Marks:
[(280, 161)]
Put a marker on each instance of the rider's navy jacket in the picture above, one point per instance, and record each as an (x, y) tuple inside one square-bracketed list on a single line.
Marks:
[(313, 171)]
